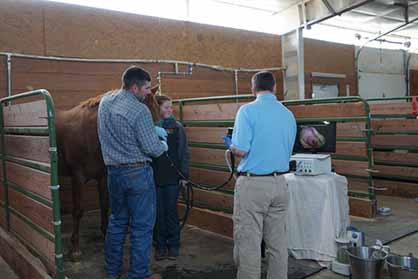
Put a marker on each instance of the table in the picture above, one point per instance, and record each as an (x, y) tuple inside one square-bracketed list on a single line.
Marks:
[(317, 215)]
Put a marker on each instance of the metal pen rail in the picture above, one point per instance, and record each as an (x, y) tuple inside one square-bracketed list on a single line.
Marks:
[(52, 169), (230, 122)]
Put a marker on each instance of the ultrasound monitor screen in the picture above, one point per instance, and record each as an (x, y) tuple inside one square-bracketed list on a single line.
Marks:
[(316, 138)]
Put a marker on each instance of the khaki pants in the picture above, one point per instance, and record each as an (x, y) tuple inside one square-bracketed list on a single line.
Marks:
[(260, 209)]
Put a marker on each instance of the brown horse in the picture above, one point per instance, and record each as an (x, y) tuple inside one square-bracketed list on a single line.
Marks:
[(80, 158)]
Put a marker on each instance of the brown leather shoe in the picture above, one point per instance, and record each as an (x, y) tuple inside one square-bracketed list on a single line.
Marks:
[(155, 276)]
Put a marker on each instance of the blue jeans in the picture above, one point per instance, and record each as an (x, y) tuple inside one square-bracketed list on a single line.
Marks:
[(167, 226), (133, 202)]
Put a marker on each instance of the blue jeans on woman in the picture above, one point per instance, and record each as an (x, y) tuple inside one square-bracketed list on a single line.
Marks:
[(133, 203), (167, 226)]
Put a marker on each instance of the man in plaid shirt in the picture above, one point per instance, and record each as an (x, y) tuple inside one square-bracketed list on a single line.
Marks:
[(128, 140)]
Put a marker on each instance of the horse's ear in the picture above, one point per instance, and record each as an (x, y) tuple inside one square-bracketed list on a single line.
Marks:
[(155, 88)]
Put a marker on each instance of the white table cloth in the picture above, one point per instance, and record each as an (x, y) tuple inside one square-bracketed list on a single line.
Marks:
[(317, 215)]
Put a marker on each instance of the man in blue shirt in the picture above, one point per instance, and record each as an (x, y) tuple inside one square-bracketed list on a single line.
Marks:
[(263, 137), (128, 141)]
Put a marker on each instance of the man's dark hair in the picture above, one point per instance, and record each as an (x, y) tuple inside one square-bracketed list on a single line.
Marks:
[(134, 75), (263, 81)]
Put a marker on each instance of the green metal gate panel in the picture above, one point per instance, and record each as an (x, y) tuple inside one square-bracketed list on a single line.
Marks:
[(29, 194)]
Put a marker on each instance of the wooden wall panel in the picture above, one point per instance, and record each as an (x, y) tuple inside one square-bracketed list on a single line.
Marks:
[(210, 111), (391, 108), (217, 156), (398, 125), (401, 157), (21, 27), (23, 263), (40, 243), (214, 200), (362, 207), (394, 175), (351, 129), (328, 110), (28, 114), (351, 148), (397, 188), (33, 148), (321, 56), (397, 171), (217, 222), (72, 82), (350, 167), (398, 140), (210, 177), (30, 179), (43, 28), (358, 184), (110, 35), (215, 134), (33, 210), (205, 134), (228, 111)]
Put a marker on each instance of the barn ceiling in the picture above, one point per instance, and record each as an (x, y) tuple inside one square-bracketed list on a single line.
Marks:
[(381, 16), (376, 16)]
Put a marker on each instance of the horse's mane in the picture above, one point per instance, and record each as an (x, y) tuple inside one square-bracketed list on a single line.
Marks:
[(94, 101)]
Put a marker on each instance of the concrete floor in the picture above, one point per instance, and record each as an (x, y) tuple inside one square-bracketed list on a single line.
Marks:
[(205, 255), (403, 246), (403, 220)]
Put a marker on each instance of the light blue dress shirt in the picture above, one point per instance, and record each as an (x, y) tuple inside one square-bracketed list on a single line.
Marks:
[(266, 130)]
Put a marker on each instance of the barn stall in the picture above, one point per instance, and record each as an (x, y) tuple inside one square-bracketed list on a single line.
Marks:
[(25, 72), (206, 119), (376, 144)]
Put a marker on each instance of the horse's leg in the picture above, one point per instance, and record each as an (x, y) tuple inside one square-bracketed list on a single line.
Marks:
[(75, 253), (104, 203)]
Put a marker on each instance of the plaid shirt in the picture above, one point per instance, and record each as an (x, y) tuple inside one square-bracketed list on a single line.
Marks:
[(126, 130)]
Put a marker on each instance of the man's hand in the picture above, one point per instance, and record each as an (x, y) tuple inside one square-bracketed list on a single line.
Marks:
[(227, 142), (237, 152), (162, 133)]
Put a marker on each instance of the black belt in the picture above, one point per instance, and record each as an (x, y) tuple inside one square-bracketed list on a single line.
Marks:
[(276, 173)]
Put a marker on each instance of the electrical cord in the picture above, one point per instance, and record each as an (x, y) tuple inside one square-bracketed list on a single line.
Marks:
[(189, 198), (231, 166)]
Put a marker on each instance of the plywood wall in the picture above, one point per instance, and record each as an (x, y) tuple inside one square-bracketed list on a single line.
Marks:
[(55, 29), (72, 82), (333, 58)]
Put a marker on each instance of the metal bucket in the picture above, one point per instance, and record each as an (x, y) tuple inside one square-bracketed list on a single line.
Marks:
[(402, 267), (366, 262)]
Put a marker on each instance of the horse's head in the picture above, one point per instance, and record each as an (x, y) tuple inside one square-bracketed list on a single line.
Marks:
[(152, 104)]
